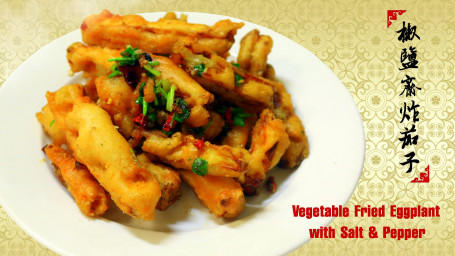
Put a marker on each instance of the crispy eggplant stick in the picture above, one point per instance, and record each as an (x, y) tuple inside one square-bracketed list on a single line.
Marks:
[(93, 61), (181, 151), (96, 143), (238, 136), (115, 31), (298, 149), (222, 196), (252, 57), (115, 96), (168, 179), (90, 197), (49, 125), (268, 143), (222, 78), (253, 52)]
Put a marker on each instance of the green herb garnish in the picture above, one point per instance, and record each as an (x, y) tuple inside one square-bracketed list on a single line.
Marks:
[(130, 57), (51, 123), (151, 72), (183, 110), (238, 80), (199, 131), (236, 65), (200, 69), (170, 99), (115, 71), (238, 116), (200, 167), (135, 158)]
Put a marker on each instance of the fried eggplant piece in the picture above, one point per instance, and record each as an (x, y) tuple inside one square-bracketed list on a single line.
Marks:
[(221, 195), (238, 136), (93, 60), (95, 143), (215, 126), (47, 121), (116, 96), (299, 148), (254, 49), (253, 52), (115, 31), (181, 151), (186, 87), (229, 82), (168, 179), (90, 197), (269, 142)]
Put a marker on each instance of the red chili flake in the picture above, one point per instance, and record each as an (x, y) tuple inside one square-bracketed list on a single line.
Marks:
[(228, 116), (199, 143), (270, 184), (141, 120), (168, 125)]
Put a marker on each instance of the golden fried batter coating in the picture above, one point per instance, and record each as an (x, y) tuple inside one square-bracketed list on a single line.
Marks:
[(215, 127), (168, 179), (49, 125), (180, 151), (238, 136), (298, 149), (253, 52), (254, 49), (116, 97), (221, 195), (90, 197), (115, 31), (252, 93), (93, 60), (268, 143), (97, 144)]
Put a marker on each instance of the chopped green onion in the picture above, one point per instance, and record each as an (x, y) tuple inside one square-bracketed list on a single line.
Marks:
[(135, 158), (200, 166), (122, 59), (238, 80), (166, 84), (141, 89), (170, 99), (185, 110), (239, 121), (199, 131), (114, 67), (139, 100), (200, 69), (115, 73), (154, 63), (130, 52), (145, 106), (236, 64), (152, 71), (129, 57), (51, 123)]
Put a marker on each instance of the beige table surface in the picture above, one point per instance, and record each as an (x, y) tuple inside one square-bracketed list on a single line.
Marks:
[(352, 39)]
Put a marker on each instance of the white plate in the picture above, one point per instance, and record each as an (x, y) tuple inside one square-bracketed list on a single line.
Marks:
[(34, 198)]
